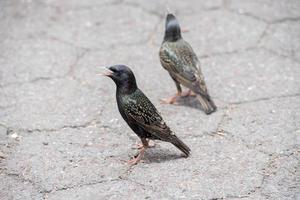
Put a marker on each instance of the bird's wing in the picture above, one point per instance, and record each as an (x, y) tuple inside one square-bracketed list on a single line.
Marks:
[(143, 113), (182, 63)]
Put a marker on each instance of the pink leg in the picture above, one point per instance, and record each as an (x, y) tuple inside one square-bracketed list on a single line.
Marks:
[(188, 93), (151, 144), (138, 158), (170, 100)]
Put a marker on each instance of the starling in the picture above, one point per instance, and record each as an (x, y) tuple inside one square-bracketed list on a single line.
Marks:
[(139, 113), (179, 59)]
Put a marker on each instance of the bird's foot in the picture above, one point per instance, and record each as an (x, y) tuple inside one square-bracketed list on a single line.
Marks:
[(134, 161), (170, 100), (138, 157)]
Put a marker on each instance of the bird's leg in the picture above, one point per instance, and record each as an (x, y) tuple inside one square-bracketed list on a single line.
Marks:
[(151, 144), (140, 155), (192, 94), (172, 99), (188, 93)]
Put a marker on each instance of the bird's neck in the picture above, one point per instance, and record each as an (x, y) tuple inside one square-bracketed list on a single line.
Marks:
[(171, 37), (172, 33), (126, 88)]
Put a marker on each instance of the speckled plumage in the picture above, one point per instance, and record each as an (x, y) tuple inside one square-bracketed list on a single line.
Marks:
[(179, 59), (138, 111)]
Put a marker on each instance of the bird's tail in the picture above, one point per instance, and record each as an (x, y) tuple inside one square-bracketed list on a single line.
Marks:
[(207, 104), (180, 145)]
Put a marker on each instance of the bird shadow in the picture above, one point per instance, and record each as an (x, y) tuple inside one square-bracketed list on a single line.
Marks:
[(189, 101), (158, 155)]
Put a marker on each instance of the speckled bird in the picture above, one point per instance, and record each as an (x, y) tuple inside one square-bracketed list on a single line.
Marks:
[(179, 59), (139, 113)]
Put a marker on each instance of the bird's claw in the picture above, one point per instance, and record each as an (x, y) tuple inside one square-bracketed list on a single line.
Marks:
[(171, 100), (134, 161)]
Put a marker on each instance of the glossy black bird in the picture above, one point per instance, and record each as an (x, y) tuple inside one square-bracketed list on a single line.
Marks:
[(179, 59), (139, 113)]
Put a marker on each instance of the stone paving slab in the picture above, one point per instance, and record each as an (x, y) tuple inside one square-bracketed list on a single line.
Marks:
[(206, 29), (268, 10), (282, 181), (93, 30), (259, 119), (13, 188), (68, 157), (196, 177), (282, 38), (46, 59), (62, 137), (250, 75), (45, 106)]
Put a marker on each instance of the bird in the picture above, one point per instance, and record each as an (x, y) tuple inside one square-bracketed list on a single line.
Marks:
[(139, 113), (179, 59)]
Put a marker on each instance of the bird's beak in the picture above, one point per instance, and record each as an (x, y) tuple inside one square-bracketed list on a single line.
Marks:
[(107, 72)]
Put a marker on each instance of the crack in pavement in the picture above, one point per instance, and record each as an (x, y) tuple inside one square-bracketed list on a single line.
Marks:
[(280, 55), (150, 12), (69, 73), (82, 7), (45, 192), (79, 126), (265, 99), (270, 22), (75, 63), (247, 14), (286, 19), (265, 175), (81, 185), (256, 47), (149, 187), (263, 35), (236, 51)]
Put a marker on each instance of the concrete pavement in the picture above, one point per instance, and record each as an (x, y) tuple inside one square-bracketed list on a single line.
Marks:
[(61, 136)]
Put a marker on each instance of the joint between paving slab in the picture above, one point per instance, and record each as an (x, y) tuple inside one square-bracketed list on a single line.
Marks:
[(236, 51), (84, 125), (113, 3), (265, 99), (247, 14), (49, 78)]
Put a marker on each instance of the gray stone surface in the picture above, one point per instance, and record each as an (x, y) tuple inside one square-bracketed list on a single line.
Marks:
[(268, 10), (69, 157), (61, 136), (250, 75), (50, 104), (282, 180), (11, 187), (114, 190), (282, 38), (103, 27), (217, 31), (46, 59), (196, 176), (161, 7), (257, 120)]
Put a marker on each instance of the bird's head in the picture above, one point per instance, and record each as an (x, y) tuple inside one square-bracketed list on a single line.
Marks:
[(123, 78), (172, 32)]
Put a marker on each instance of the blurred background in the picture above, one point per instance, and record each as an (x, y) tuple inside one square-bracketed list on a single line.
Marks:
[(61, 136)]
